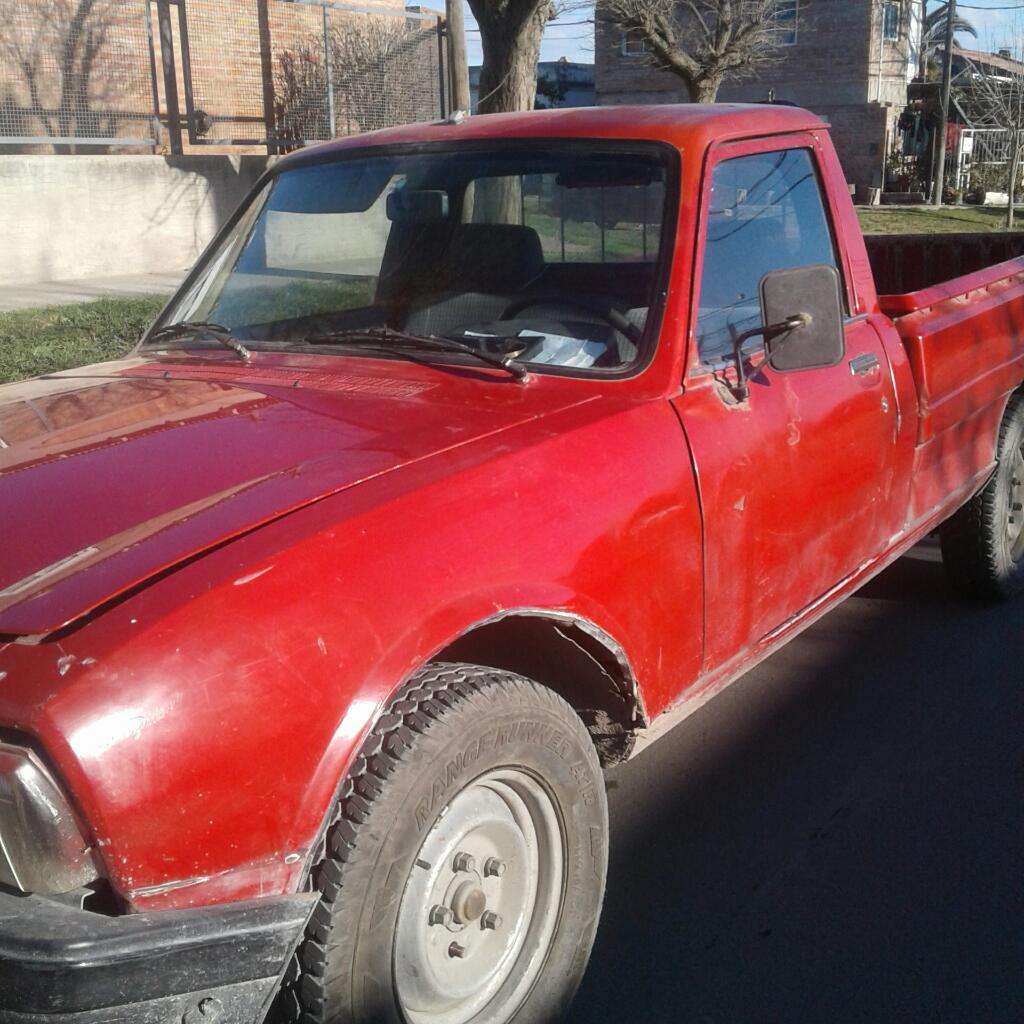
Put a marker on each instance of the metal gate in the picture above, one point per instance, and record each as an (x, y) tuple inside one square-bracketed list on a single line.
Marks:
[(77, 73), (283, 73), (981, 148), (123, 74)]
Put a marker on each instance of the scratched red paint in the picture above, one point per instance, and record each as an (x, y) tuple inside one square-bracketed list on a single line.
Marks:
[(201, 710)]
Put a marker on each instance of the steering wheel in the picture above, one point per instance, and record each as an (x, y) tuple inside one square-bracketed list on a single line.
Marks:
[(609, 314)]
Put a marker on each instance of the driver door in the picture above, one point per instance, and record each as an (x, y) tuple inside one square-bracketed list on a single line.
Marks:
[(795, 481)]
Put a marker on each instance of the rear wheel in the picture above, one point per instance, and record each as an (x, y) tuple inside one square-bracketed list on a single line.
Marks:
[(464, 876), (983, 544)]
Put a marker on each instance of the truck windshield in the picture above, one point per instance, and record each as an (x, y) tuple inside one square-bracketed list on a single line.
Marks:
[(549, 253)]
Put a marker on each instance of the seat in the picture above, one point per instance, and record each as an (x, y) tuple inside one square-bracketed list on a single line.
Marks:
[(475, 276)]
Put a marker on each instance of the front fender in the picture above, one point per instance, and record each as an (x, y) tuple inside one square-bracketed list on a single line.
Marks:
[(203, 723)]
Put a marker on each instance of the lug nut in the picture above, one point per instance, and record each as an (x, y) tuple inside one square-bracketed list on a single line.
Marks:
[(456, 951), (464, 862), (441, 915), (494, 868), (490, 920)]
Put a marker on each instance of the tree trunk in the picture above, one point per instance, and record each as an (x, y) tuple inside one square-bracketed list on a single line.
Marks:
[(705, 90), (511, 49), (497, 201)]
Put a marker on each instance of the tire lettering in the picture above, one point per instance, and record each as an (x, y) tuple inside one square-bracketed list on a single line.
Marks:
[(536, 733)]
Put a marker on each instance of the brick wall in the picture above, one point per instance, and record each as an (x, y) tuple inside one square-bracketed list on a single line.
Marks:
[(114, 96), (839, 67), (227, 70), (861, 133), (91, 88)]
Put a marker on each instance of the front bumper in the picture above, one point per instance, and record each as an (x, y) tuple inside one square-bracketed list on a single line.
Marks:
[(62, 965)]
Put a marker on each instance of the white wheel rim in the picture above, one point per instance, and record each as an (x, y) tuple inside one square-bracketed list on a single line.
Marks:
[(481, 905), (1015, 517)]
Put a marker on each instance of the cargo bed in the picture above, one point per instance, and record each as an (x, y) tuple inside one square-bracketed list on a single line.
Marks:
[(964, 336)]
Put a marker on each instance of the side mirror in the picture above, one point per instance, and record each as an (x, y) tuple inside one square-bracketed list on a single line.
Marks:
[(807, 305)]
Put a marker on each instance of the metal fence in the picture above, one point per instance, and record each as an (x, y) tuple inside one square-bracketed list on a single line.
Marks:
[(74, 71), (88, 75), (982, 150)]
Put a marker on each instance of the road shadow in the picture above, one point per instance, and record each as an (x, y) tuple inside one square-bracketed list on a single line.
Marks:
[(837, 837)]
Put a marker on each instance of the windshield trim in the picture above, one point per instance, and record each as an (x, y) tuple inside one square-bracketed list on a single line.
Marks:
[(669, 155)]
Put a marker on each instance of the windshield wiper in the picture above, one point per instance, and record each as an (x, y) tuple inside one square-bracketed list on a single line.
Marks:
[(203, 328), (386, 338)]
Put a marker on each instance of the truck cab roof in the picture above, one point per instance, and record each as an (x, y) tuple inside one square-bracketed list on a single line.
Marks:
[(683, 125)]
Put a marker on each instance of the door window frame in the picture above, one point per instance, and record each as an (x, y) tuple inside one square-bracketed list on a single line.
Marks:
[(718, 154)]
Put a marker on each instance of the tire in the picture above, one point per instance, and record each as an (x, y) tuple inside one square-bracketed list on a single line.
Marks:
[(466, 760), (983, 544)]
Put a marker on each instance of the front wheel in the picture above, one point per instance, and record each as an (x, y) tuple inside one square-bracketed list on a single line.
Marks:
[(464, 876), (983, 544)]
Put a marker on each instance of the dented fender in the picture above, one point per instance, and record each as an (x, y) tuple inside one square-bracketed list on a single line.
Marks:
[(202, 723)]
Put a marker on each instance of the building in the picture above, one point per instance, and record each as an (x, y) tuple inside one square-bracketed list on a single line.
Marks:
[(95, 74), (849, 61), (981, 143), (969, 63), (560, 83)]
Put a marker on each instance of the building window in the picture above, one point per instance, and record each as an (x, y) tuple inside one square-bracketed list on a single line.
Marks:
[(633, 44), (787, 15), (892, 16)]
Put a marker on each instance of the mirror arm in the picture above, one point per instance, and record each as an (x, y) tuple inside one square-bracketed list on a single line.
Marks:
[(742, 389)]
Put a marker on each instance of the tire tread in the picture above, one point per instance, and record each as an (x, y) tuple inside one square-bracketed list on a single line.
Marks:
[(971, 541), (419, 707)]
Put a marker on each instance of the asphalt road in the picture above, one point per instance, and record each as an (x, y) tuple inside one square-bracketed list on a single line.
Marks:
[(835, 838)]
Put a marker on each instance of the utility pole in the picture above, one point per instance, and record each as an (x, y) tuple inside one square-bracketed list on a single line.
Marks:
[(922, 62), (947, 82), (163, 11), (457, 65), (267, 71)]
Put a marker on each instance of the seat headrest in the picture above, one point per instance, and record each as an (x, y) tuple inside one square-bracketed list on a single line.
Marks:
[(500, 258)]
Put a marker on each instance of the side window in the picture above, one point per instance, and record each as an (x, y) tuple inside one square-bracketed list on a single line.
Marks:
[(766, 214)]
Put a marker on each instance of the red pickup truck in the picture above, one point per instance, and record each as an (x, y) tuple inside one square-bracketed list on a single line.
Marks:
[(430, 494)]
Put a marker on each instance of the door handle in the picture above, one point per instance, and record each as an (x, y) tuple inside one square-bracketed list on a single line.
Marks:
[(863, 365)]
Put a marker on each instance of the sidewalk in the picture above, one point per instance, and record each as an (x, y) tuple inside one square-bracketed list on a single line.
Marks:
[(59, 293)]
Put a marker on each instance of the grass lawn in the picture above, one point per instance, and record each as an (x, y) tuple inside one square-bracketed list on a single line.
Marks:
[(35, 341), (920, 220)]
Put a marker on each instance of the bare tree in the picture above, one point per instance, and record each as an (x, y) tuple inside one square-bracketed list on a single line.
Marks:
[(301, 110), (510, 37), (372, 72), (997, 101), (58, 58), (703, 42)]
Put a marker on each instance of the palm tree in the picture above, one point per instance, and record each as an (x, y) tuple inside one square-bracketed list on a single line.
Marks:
[(933, 32)]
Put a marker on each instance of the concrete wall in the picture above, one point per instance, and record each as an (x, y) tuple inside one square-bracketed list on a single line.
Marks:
[(66, 217)]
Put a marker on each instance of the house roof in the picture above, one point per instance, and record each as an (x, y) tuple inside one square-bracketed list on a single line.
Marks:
[(992, 60)]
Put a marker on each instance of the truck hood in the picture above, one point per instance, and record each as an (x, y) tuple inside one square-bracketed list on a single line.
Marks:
[(113, 474)]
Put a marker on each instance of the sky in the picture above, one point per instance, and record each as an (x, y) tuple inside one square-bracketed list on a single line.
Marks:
[(563, 37), (998, 22), (992, 16)]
